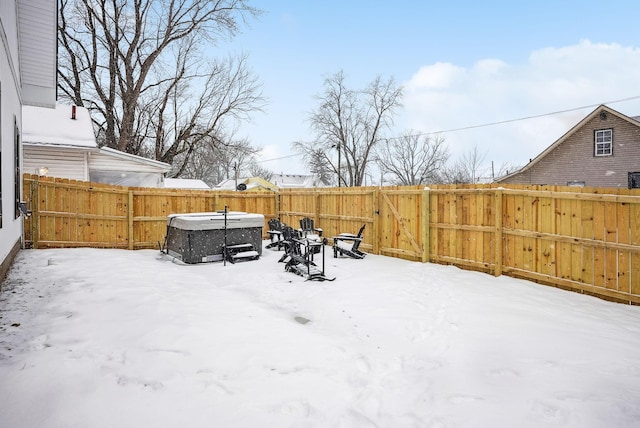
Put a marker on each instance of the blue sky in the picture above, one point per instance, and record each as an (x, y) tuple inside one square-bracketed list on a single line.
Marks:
[(461, 64)]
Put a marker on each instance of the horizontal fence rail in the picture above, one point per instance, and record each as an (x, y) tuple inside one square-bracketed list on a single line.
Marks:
[(586, 240)]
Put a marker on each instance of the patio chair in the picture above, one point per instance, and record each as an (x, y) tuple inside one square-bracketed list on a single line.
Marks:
[(304, 265), (307, 227), (291, 244), (298, 255), (275, 234), (347, 244), (309, 232)]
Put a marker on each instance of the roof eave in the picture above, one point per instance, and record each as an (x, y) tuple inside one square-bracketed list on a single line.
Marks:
[(122, 155), (60, 146)]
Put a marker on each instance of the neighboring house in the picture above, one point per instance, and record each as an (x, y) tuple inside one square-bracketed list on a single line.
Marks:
[(602, 150), (61, 141), (250, 184), (277, 182), (296, 181), (185, 183), (27, 77)]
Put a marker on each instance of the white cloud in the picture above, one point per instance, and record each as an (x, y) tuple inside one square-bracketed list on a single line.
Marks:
[(437, 76), (490, 67), (446, 96)]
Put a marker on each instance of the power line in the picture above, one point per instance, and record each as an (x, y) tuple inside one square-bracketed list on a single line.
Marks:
[(484, 125), (464, 128), (282, 157)]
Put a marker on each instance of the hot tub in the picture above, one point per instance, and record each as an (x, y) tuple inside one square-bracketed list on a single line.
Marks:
[(200, 237)]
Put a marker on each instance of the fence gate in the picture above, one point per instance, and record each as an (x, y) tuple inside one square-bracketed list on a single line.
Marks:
[(403, 223)]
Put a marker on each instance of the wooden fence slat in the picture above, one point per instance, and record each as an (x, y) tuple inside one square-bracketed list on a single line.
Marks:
[(634, 240), (611, 235), (426, 230), (498, 237)]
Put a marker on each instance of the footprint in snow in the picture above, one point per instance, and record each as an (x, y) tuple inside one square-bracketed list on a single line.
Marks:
[(363, 365)]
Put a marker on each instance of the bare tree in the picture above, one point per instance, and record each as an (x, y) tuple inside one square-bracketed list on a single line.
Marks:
[(257, 170), (412, 158), (214, 162), (318, 162), (184, 120), (505, 168), (348, 125), (472, 162), (115, 58), (468, 169), (454, 174)]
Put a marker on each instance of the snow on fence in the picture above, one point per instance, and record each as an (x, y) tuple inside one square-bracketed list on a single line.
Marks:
[(587, 240)]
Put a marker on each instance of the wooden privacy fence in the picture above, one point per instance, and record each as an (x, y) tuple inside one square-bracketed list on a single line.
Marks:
[(68, 213), (586, 240)]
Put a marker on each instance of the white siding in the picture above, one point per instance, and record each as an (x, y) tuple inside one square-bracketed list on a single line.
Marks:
[(37, 29), (64, 163), (9, 39), (11, 229), (103, 161)]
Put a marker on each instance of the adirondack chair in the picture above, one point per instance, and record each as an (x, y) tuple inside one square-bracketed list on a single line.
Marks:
[(298, 256), (313, 234), (291, 243), (275, 234), (347, 244), (307, 227)]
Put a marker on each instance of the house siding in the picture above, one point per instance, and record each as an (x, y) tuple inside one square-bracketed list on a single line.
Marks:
[(38, 61), (9, 40), (10, 114), (67, 163), (574, 159)]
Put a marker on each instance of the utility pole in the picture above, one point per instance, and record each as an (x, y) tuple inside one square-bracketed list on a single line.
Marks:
[(235, 174), (339, 165)]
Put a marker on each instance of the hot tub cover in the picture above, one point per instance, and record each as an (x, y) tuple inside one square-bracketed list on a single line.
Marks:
[(215, 220)]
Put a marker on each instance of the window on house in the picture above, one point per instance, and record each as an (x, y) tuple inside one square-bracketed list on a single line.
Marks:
[(634, 180), (575, 183), (604, 142), (16, 135)]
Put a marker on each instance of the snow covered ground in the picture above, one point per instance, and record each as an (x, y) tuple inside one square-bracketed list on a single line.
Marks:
[(115, 338)]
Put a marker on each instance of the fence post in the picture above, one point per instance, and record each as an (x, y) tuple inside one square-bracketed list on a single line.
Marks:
[(426, 235), (376, 220), (316, 202), (130, 219), (498, 233), (35, 212)]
